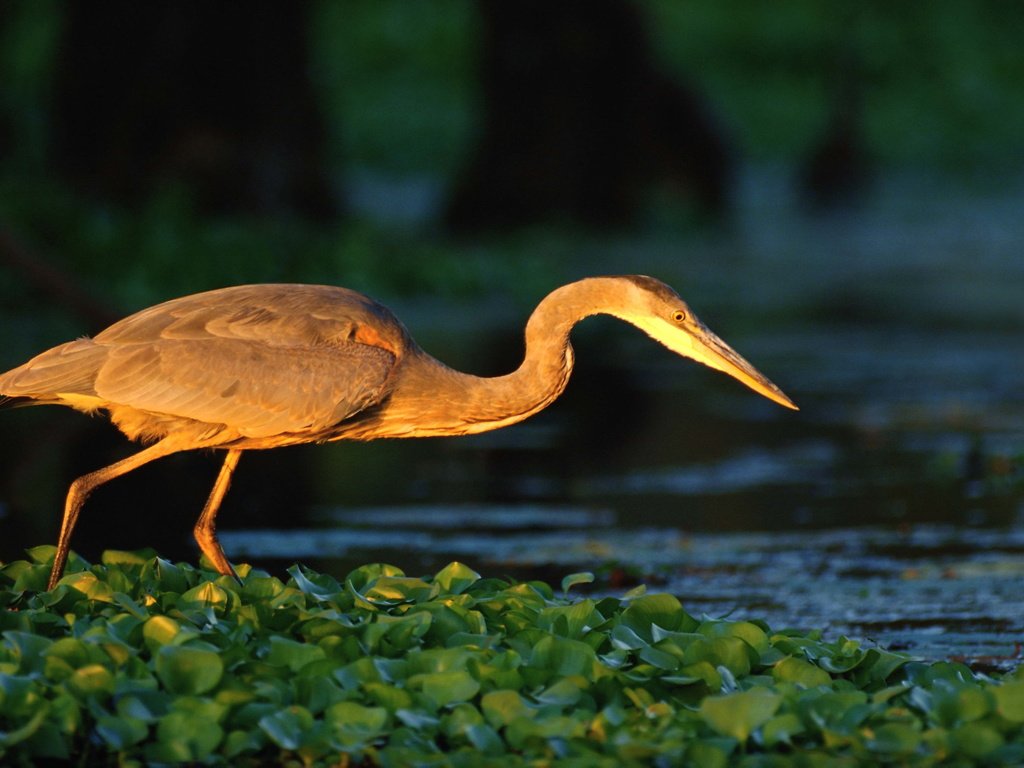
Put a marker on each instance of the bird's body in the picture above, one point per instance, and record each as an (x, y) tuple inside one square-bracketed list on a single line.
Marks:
[(263, 366)]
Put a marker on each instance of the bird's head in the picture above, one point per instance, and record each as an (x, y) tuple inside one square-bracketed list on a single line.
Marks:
[(657, 310)]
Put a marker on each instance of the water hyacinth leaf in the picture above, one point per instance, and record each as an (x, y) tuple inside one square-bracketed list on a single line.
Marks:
[(25, 650), (575, 579), (977, 740), (879, 665), (739, 714), (503, 707), (455, 578), (478, 672), (885, 694), (449, 687), (90, 586), (391, 590), (417, 719), (160, 630), (91, 680), (485, 739), (401, 631), (958, 703), (121, 732), (287, 727), (205, 595), (1010, 700), (188, 670), (132, 607), (896, 739), (750, 633), (661, 609), (27, 730), (781, 729), (391, 697), (44, 554), (838, 710), (659, 658), (168, 576), (803, 673), (627, 639), (285, 652), (358, 579), (563, 693), (564, 656), (123, 557), (701, 670), (709, 754), (572, 621), (459, 718), (732, 653), (319, 586), (844, 656), (353, 724), (184, 736)]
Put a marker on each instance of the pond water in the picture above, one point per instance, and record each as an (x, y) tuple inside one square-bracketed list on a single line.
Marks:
[(890, 508)]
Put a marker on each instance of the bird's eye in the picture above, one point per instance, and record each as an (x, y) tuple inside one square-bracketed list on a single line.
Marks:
[(679, 316)]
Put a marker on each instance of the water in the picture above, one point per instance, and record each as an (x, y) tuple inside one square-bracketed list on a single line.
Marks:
[(890, 508)]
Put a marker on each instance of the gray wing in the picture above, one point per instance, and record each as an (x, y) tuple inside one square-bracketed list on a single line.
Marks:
[(256, 389), (263, 359)]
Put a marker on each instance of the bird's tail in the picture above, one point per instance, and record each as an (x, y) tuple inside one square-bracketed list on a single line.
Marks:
[(14, 402)]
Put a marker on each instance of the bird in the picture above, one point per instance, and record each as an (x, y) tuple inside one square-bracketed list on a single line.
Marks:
[(253, 367)]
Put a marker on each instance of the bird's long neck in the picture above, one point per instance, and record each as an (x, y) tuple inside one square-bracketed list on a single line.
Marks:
[(432, 399)]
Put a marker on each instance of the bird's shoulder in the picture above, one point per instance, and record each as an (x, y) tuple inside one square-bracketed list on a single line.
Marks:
[(275, 314)]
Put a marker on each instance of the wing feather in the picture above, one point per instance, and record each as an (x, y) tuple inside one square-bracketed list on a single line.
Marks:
[(277, 315), (259, 391), (70, 367), (261, 359)]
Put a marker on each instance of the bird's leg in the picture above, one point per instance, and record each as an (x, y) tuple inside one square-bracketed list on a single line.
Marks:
[(86, 484), (206, 528)]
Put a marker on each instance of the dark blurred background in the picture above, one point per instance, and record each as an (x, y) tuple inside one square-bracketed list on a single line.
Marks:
[(836, 187)]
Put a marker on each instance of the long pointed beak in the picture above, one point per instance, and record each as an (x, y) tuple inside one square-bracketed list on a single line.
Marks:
[(712, 351)]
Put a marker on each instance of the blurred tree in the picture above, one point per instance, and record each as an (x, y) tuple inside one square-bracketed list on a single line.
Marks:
[(836, 171), (214, 95), (578, 122)]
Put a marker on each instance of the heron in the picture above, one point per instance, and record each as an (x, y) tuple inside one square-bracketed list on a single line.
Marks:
[(262, 366)]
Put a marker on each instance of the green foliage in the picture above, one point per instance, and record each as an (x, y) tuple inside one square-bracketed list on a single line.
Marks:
[(139, 660)]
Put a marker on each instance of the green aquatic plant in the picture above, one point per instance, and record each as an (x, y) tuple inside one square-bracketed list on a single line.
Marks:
[(138, 660)]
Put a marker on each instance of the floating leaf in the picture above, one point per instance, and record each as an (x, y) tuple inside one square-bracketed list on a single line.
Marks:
[(456, 578), (285, 652), (178, 667), (353, 724), (503, 707), (803, 673), (188, 670), (896, 739), (575, 579), (781, 729), (185, 736), (738, 714), (91, 680), (977, 740), (449, 687), (204, 596), (160, 630), (662, 610), (287, 727), (958, 703), (121, 732), (1010, 700)]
